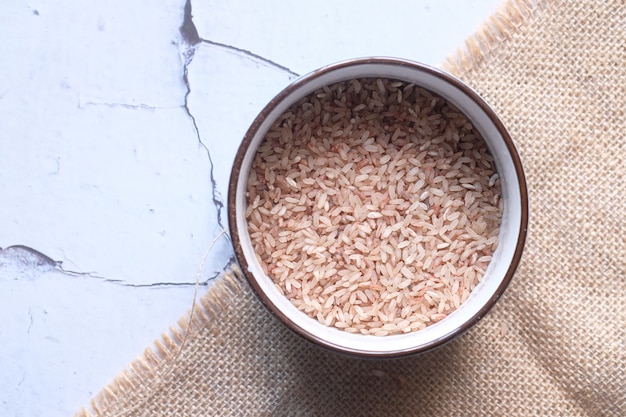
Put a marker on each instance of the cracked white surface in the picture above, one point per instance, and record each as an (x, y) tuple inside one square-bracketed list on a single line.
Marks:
[(103, 170)]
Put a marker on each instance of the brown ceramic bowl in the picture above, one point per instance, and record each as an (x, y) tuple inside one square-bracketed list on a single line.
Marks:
[(512, 229)]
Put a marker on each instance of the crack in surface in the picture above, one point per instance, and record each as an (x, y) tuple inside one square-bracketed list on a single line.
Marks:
[(123, 283), (82, 105), (188, 28), (29, 257), (30, 323), (250, 54), (191, 40)]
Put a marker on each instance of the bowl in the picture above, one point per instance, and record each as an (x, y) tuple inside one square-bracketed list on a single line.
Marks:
[(511, 234)]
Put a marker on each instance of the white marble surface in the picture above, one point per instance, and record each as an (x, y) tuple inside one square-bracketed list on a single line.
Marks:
[(117, 135)]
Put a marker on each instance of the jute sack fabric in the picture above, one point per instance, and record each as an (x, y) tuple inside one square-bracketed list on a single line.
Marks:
[(554, 345)]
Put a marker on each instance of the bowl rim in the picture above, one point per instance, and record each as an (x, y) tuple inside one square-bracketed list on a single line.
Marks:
[(286, 92)]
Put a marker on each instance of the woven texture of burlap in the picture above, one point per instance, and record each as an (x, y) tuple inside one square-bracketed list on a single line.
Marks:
[(555, 344)]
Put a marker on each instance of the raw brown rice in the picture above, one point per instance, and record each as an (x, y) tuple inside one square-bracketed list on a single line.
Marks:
[(374, 206)]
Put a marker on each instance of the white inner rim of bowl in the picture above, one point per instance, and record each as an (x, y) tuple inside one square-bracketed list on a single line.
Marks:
[(509, 229)]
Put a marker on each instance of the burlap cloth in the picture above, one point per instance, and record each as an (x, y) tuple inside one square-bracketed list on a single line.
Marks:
[(554, 345)]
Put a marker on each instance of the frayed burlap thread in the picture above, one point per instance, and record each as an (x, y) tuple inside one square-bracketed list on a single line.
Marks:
[(555, 344)]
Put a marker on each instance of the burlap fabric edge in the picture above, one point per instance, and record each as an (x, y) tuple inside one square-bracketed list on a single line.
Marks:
[(492, 34)]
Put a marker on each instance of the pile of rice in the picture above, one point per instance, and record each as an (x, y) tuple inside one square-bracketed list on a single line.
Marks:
[(374, 206)]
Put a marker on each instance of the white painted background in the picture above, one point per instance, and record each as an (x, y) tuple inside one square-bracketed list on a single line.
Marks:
[(116, 141)]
